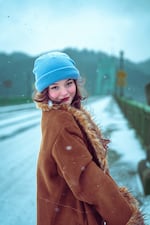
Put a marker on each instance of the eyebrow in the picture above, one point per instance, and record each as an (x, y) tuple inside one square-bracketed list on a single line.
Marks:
[(56, 83)]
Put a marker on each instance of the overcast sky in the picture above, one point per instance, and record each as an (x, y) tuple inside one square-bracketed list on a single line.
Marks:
[(34, 26)]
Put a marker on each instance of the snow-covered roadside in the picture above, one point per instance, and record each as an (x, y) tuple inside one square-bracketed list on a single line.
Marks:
[(126, 144)]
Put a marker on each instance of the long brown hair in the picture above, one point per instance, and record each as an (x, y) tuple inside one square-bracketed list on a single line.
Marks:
[(43, 97)]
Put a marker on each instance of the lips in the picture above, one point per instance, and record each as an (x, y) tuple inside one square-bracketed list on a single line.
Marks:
[(65, 99)]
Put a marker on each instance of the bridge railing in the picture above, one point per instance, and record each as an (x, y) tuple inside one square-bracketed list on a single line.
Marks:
[(138, 116)]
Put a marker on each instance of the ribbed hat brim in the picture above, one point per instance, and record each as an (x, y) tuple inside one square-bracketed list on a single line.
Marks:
[(56, 75)]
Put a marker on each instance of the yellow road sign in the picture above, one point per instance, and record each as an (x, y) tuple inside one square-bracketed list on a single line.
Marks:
[(121, 78)]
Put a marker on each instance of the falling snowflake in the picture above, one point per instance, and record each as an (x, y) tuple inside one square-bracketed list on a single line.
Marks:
[(82, 168), (57, 209), (68, 148)]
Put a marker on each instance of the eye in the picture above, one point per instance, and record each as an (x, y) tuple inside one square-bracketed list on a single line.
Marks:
[(69, 82), (54, 88)]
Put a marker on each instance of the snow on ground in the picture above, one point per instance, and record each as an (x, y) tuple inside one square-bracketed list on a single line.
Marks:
[(123, 138), (18, 188), (18, 157), (125, 143)]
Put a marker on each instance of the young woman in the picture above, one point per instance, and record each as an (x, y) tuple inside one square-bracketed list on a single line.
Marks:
[(74, 186)]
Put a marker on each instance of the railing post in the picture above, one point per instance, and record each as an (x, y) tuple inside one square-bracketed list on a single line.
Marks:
[(144, 172)]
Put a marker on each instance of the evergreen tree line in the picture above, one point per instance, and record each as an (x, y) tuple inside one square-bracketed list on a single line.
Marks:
[(17, 80)]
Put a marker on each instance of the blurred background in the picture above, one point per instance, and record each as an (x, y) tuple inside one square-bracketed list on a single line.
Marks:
[(109, 41), (93, 32)]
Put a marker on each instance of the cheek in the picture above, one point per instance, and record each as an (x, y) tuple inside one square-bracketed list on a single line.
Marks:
[(52, 95), (72, 90)]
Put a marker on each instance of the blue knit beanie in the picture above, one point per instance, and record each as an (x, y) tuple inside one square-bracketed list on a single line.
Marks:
[(52, 67)]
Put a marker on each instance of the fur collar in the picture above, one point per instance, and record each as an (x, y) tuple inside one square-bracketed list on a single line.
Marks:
[(92, 131)]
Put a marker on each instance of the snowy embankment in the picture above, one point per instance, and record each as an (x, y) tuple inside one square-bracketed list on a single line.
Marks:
[(16, 119), (125, 149), (19, 145)]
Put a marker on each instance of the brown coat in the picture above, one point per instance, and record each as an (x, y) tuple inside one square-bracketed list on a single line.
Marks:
[(71, 188)]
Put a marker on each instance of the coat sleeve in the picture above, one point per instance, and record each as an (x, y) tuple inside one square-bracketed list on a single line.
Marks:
[(86, 180)]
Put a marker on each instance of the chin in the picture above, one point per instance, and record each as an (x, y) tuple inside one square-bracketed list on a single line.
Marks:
[(67, 103)]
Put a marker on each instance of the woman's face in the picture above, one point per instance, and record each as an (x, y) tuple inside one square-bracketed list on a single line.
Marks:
[(62, 92)]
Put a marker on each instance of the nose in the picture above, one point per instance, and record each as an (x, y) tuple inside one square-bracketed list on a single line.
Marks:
[(64, 91)]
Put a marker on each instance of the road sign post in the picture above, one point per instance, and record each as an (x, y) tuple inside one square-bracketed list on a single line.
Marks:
[(121, 81)]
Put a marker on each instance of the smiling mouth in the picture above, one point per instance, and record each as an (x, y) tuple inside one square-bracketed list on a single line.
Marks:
[(65, 99)]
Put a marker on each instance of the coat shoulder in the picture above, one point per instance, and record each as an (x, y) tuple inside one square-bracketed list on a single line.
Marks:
[(58, 118)]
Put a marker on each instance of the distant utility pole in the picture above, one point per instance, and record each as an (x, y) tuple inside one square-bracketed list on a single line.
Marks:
[(105, 82), (121, 75)]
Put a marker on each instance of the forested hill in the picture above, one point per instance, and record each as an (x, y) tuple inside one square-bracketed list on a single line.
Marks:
[(18, 67), (138, 74)]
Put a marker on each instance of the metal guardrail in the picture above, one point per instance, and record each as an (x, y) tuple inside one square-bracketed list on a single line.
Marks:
[(138, 116)]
